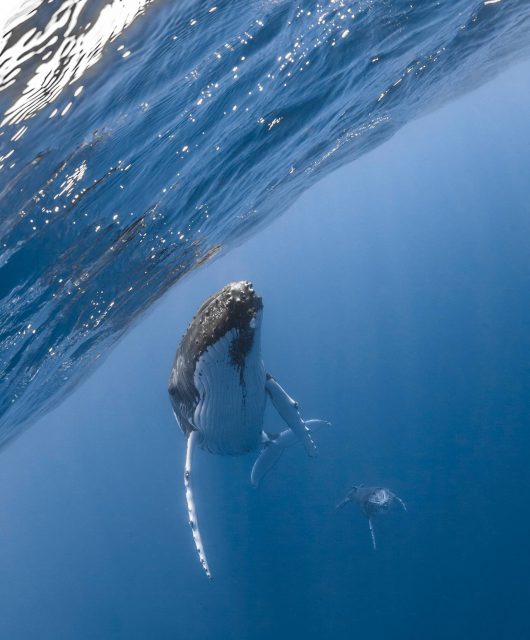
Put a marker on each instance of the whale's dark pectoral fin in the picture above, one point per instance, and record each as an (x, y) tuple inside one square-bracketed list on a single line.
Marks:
[(268, 457), (342, 503), (288, 410), (192, 513)]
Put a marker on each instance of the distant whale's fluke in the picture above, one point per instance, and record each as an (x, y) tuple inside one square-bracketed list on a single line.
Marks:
[(371, 501), (218, 389)]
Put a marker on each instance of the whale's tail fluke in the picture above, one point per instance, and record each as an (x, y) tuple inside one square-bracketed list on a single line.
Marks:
[(192, 513), (275, 446)]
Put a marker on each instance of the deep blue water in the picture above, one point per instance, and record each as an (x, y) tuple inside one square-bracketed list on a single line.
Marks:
[(140, 139), (396, 306)]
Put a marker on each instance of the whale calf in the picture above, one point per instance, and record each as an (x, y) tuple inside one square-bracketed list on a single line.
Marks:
[(371, 500), (219, 387)]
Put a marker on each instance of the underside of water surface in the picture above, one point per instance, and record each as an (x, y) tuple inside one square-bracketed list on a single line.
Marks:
[(138, 140)]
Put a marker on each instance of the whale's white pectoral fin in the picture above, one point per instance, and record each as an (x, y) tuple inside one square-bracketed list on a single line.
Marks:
[(288, 410), (372, 533), (401, 502), (314, 423), (268, 457), (192, 513)]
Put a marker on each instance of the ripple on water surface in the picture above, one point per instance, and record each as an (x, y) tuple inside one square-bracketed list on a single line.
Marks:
[(138, 138)]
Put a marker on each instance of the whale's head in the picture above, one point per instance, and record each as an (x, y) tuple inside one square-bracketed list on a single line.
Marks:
[(380, 498), (235, 311), (235, 307)]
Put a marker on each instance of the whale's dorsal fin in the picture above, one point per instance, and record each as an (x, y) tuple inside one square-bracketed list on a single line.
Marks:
[(192, 513)]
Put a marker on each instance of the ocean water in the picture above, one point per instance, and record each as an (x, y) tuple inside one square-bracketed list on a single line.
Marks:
[(140, 139), (396, 306)]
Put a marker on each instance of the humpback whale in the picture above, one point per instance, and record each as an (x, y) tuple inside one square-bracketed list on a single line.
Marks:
[(218, 389), (371, 500)]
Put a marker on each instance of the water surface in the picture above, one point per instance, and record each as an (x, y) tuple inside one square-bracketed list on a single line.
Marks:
[(140, 139)]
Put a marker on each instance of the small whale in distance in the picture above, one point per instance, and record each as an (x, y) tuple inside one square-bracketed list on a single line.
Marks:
[(371, 500)]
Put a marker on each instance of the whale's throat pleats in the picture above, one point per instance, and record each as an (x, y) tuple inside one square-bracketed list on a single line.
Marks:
[(230, 381)]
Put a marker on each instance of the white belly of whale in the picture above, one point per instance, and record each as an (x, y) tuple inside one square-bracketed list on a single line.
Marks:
[(229, 414)]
